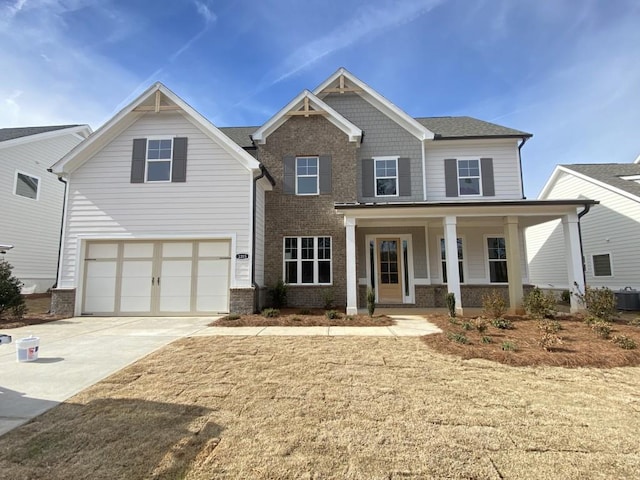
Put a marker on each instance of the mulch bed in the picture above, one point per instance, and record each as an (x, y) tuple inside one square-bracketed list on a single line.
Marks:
[(292, 317), (37, 319), (580, 347)]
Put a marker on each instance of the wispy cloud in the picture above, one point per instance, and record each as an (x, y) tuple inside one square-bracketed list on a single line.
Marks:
[(205, 11)]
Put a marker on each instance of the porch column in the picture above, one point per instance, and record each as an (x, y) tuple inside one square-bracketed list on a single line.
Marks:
[(451, 252), (514, 265), (352, 280), (574, 259)]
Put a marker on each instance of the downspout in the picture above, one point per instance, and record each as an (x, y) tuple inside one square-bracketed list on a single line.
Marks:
[(263, 173), (587, 207), (524, 140), (64, 205)]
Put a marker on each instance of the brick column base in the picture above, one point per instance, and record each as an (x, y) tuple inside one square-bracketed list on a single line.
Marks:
[(63, 301), (242, 300)]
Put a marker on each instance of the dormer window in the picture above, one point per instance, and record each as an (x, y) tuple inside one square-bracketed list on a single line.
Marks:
[(386, 176), (469, 177)]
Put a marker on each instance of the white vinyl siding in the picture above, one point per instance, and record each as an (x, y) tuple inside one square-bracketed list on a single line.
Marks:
[(215, 200), (506, 168), (259, 257)]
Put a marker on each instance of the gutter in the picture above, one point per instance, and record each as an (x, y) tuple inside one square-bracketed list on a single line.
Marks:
[(263, 173), (524, 140), (64, 206), (587, 207)]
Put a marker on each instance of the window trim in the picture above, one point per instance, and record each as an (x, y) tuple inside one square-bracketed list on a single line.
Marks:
[(375, 177), (479, 177), (464, 258), (147, 159), (15, 185), (488, 261), (593, 266), (317, 175), (299, 260)]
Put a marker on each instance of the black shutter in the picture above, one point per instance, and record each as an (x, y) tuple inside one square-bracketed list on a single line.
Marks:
[(289, 177), (451, 177), (404, 177), (486, 170), (179, 168), (367, 178), (138, 160), (325, 173)]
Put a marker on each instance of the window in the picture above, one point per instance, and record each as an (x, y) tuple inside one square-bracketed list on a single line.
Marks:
[(443, 256), (159, 160), (307, 175), (26, 185), (307, 260), (386, 177), (497, 253), (469, 177), (602, 265)]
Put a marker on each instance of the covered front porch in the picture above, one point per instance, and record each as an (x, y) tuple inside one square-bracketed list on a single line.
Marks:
[(412, 255)]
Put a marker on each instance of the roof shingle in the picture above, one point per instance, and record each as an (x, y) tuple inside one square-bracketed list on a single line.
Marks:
[(610, 173), (12, 133)]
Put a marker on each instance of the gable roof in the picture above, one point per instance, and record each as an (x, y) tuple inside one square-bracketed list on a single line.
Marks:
[(11, 133), (156, 98), (312, 105), (10, 137), (450, 128)]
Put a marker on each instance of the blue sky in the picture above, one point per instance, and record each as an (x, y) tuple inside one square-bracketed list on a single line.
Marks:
[(567, 71)]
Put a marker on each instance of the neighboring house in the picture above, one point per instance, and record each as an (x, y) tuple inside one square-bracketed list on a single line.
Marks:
[(365, 196), (31, 199), (610, 231)]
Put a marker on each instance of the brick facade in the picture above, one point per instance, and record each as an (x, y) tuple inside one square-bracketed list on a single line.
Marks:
[(63, 301), (242, 300)]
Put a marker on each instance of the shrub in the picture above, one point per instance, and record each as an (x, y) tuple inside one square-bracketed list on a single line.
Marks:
[(451, 304), (508, 346), (233, 316), (350, 318), (624, 342), (494, 305), (332, 314), (565, 296), (270, 312), (601, 329), (539, 304), (371, 301), (296, 319), (10, 298), (634, 322), (480, 324), (549, 326), (305, 311), (549, 337), (466, 325), (502, 323), (486, 339), (328, 297), (279, 294), (599, 302), (458, 338)]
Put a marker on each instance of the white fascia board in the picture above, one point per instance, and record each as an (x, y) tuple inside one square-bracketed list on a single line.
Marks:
[(80, 130), (388, 108), (589, 179), (351, 130)]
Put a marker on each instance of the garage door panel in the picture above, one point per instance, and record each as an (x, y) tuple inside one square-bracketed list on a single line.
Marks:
[(136, 286), (213, 285), (100, 290), (219, 248), (175, 287)]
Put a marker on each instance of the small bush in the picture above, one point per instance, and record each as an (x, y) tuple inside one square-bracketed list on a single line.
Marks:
[(467, 325), (270, 312), (600, 303), (332, 314), (279, 294), (486, 339), (549, 326), (480, 324), (502, 324), (601, 329), (371, 301), (458, 338), (565, 296), (328, 297), (634, 322), (539, 304), (493, 305), (350, 318), (548, 340), (508, 346), (10, 297), (305, 311), (454, 321), (451, 304), (233, 316), (296, 319), (624, 342)]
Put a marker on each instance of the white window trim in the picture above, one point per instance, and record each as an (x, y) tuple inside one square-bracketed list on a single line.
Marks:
[(299, 260), (375, 177), (479, 177), (15, 185), (464, 258), (593, 266), (317, 175), (147, 160), (369, 268), (488, 261)]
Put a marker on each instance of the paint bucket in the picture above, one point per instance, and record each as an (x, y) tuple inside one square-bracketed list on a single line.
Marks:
[(27, 349)]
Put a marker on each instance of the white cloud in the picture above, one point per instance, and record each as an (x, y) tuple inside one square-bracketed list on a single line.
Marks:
[(204, 10)]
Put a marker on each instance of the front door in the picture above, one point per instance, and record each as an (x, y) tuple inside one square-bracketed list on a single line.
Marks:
[(389, 278)]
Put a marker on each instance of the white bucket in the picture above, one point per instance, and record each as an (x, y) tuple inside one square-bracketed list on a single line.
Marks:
[(27, 349)]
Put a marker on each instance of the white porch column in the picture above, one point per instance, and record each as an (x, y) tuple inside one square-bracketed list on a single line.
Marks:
[(574, 258), (514, 264), (352, 280), (451, 252)]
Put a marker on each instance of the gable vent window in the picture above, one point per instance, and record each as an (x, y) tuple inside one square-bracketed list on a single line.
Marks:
[(602, 265), (27, 186)]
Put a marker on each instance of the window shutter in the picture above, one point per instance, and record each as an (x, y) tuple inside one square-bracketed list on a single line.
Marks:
[(367, 178), (486, 170), (451, 177), (289, 178), (179, 168), (138, 159), (404, 177), (325, 173)]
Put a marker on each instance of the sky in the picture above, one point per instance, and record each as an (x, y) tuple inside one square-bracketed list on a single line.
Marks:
[(567, 71)]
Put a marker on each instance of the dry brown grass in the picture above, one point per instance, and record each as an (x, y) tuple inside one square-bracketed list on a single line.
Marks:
[(580, 347), (291, 317), (329, 407), (38, 306)]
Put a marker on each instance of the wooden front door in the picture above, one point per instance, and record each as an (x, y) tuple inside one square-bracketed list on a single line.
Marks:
[(389, 268)]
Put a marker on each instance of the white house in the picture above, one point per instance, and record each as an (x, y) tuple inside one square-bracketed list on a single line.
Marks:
[(31, 199), (610, 232)]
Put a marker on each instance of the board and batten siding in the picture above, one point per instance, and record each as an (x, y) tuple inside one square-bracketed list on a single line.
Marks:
[(33, 226), (214, 200), (506, 166), (383, 137), (611, 227)]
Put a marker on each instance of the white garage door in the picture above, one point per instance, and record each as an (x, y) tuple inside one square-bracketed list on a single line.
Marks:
[(157, 277)]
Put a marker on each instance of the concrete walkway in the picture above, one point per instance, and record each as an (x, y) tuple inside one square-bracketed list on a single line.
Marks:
[(77, 352)]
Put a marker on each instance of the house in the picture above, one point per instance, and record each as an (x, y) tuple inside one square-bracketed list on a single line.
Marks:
[(338, 192), (609, 233), (31, 199)]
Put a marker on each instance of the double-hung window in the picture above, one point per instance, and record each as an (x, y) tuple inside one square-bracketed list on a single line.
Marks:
[(307, 260), (443, 257), (497, 254), (469, 177), (307, 176), (386, 176), (159, 160), (27, 186)]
